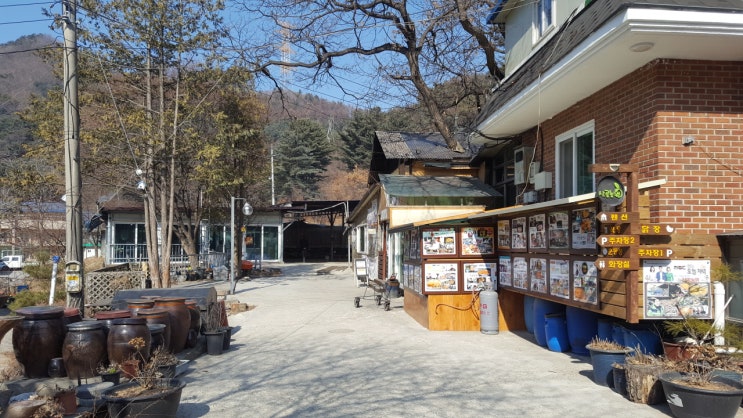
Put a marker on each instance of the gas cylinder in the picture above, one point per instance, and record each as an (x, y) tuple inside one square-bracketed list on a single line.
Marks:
[(489, 311)]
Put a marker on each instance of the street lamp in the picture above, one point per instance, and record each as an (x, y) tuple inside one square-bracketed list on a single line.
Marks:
[(247, 211)]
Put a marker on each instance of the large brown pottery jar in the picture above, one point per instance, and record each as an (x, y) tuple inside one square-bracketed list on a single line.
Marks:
[(180, 320), (121, 333), (107, 317), (135, 305), (158, 316), (84, 349), (38, 338), (195, 326)]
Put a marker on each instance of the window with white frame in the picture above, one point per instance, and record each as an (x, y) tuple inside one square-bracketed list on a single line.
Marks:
[(544, 17), (361, 239), (574, 151)]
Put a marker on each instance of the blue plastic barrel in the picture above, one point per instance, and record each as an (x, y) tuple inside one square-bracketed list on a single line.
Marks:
[(582, 327), (617, 333), (21, 288), (604, 329), (529, 313), (556, 332), (648, 341), (541, 308)]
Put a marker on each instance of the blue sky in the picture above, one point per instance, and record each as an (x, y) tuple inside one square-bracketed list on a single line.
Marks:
[(25, 17), (28, 12)]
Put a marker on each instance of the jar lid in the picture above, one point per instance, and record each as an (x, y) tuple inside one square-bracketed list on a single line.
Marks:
[(85, 326), (170, 299), (151, 312), (122, 313), (129, 321), (71, 312), (148, 302), (41, 312)]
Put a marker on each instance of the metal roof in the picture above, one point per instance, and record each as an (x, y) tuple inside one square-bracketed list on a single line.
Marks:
[(420, 186), (422, 146)]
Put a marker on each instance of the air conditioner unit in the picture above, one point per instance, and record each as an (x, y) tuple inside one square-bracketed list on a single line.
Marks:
[(521, 157), (531, 197)]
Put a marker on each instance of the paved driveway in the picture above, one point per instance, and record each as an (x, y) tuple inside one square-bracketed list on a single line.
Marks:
[(305, 351)]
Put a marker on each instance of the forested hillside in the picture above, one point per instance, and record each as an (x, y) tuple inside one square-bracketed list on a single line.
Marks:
[(22, 73)]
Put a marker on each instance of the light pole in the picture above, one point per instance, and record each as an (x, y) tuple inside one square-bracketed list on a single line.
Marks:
[(247, 211)]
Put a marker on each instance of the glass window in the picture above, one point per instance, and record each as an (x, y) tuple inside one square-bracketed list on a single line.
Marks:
[(574, 153), (545, 19), (361, 239)]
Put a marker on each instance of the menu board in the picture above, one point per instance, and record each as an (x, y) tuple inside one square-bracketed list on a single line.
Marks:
[(559, 230), (518, 233), (537, 230), (559, 275), (479, 276), (520, 273), (504, 271), (441, 277), (583, 228), (478, 241), (585, 282), (439, 242), (504, 234), (538, 274)]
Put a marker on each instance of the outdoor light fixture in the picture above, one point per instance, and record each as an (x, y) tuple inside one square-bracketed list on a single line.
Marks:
[(247, 210), (641, 46)]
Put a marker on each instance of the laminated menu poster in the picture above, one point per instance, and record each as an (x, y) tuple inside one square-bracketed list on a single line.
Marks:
[(677, 288), (439, 241), (518, 233), (538, 274), (520, 273), (559, 230), (478, 276), (560, 278), (478, 241), (504, 271), (585, 282), (583, 228), (441, 277), (504, 234), (537, 237)]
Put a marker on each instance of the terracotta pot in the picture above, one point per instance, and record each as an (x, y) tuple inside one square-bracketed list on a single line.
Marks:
[(679, 352), (180, 321)]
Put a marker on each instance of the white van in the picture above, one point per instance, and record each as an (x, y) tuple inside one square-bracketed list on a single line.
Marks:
[(15, 262)]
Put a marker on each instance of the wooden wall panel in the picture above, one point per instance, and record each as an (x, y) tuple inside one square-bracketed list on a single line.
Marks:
[(510, 311), (417, 307), (453, 313)]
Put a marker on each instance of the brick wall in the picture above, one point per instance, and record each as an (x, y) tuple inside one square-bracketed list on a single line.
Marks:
[(643, 118)]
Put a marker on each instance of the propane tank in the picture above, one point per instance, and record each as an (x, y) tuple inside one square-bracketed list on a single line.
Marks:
[(489, 311)]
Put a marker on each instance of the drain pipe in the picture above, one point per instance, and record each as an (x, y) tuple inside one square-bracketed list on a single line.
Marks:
[(719, 302)]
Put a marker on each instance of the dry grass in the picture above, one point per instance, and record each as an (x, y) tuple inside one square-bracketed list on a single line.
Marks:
[(11, 369)]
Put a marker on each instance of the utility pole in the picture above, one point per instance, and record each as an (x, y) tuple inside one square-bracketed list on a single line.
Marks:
[(74, 277)]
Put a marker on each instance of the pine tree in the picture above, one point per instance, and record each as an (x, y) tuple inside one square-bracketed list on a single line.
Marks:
[(303, 154), (357, 138)]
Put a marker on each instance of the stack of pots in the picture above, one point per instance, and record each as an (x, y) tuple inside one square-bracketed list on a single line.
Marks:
[(38, 338), (180, 320)]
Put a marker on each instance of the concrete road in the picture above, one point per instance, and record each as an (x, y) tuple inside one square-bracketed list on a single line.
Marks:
[(303, 350)]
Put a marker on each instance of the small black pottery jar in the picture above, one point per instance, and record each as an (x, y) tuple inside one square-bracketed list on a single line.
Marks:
[(84, 349)]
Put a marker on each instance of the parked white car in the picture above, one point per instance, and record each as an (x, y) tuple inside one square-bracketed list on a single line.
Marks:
[(15, 262)]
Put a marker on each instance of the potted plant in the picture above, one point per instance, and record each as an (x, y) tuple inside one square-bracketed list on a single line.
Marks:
[(148, 393), (110, 373), (166, 362), (604, 354)]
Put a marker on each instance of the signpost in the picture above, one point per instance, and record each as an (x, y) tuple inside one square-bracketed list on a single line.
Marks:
[(617, 264)]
